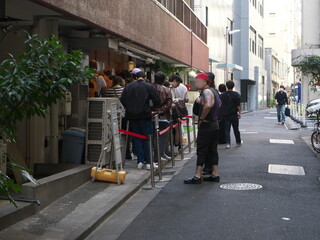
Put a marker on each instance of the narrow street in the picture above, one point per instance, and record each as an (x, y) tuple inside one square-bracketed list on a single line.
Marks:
[(286, 207)]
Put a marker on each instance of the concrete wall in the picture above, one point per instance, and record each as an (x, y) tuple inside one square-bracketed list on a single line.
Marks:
[(310, 24), (150, 26), (310, 43)]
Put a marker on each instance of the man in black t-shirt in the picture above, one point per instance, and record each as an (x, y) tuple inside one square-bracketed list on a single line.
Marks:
[(231, 113)]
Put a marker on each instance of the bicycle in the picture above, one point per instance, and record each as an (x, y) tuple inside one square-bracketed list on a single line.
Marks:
[(315, 136)]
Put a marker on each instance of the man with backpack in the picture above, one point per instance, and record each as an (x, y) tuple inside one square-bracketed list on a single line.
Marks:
[(139, 98), (207, 141), (231, 113)]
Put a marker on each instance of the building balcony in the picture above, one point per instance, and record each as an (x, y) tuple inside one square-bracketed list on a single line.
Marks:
[(298, 54)]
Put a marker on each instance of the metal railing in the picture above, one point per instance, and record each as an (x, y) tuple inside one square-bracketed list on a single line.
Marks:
[(185, 14)]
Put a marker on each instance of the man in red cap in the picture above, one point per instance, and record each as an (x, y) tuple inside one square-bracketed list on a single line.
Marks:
[(207, 141)]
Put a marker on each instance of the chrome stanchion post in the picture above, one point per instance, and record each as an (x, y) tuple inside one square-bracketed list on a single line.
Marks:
[(304, 125), (181, 139), (158, 147), (172, 144), (151, 162), (194, 131), (188, 132)]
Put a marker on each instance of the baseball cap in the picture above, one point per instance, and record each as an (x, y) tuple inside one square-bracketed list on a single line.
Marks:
[(135, 71)]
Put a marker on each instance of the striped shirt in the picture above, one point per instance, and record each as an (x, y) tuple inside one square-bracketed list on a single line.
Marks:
[(114, 92)]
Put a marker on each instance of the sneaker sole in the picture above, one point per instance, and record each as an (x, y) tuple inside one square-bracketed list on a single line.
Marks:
[(192, 183)]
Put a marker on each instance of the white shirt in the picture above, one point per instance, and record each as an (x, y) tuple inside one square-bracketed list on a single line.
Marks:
[(101, 83), (181, 92)]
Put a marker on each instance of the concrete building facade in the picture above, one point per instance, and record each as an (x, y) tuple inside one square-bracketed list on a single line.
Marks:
[(310, 45), (280, 39), (114, 33), (245, 53)]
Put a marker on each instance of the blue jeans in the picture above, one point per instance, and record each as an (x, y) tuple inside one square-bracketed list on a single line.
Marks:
[(141, 146), (234, 121), (280, 112)]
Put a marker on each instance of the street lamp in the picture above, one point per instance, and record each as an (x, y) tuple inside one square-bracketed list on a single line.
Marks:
[(227, 37)]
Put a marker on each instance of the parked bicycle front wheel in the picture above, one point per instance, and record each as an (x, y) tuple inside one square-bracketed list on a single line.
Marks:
[(315, 140)]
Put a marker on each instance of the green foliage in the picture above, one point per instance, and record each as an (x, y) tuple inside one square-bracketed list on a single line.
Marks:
[(169, 69), (7, 183), (33, 82), (310, 66), (36, 80), (272, 103)]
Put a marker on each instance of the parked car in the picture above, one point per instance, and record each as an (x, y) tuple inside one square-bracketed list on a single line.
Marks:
[(312, 106), (313, 102)]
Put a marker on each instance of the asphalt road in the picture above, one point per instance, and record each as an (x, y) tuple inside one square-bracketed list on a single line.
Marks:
[(287, 206)]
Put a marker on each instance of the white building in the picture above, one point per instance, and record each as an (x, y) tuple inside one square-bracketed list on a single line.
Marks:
[(310, 44), (245, 48), (280, 39)]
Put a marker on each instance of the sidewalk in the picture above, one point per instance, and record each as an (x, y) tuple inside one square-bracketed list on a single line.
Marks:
[(73, 215), (78, 213)]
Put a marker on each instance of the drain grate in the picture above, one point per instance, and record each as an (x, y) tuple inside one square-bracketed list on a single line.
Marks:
[(240, 186)]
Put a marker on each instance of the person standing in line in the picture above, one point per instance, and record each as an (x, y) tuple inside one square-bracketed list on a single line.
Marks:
[(179, 93), (231, 113), (282, 99), (106, 74), (116, 88), (163, 111), (222, 140), (97, 85), (139, 98), (207, 170), (207, 140)]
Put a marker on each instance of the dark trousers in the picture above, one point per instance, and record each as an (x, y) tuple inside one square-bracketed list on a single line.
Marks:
[(163, 140), (141, 146), (222, 138), (207, 144), (234, 121)]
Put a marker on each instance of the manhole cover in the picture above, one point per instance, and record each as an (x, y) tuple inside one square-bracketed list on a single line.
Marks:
[(241, 186)]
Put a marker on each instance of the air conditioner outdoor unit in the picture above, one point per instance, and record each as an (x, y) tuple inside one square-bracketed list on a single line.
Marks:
[(98, 134)]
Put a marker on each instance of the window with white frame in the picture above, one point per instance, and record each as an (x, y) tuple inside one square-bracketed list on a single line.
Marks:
[(260, 47), (253, 40), (230, 28)]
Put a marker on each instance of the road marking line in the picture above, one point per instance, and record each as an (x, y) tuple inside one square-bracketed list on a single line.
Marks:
[(270, 118), (281, 141), (286, 169)]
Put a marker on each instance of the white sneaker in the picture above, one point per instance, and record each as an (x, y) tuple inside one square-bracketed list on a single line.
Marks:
[(176, 150), (163, 159), (155, 166), (140, 165), (228, 146), (239, 144)]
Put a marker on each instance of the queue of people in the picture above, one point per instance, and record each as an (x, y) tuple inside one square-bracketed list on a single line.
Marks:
[(217, 109)]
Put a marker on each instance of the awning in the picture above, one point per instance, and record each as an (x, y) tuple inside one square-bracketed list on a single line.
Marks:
[(214, 59), (230, 66)]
